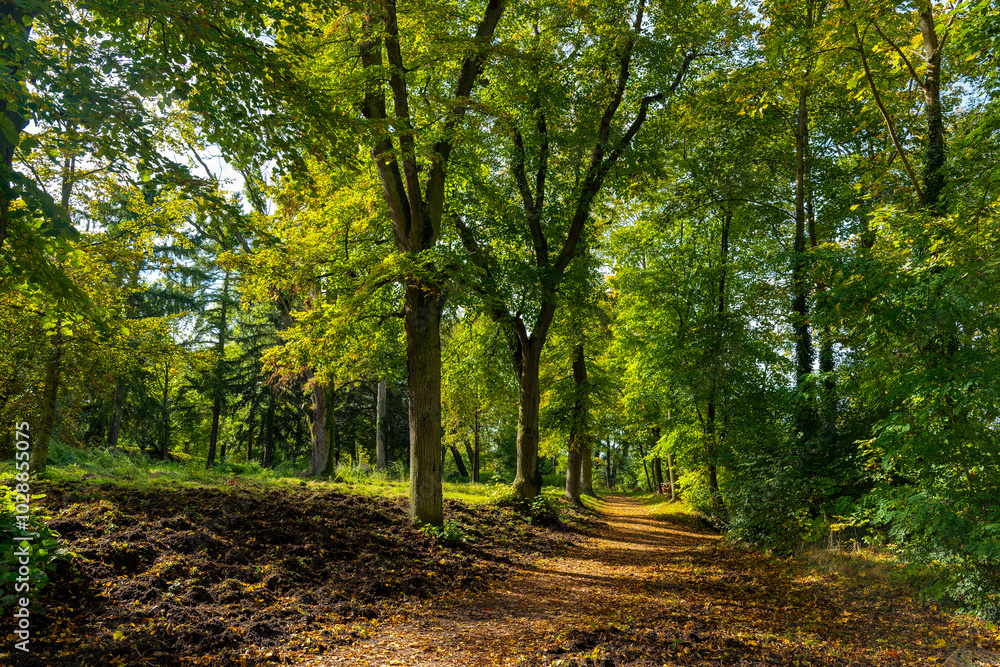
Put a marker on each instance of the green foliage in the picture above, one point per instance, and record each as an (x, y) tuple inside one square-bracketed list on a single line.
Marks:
[(44, 551), (450, 531)]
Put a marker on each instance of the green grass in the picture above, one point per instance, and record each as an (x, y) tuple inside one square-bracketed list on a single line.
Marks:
[(131, 469)]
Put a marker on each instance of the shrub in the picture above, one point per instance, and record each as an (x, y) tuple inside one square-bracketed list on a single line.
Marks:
[(45, 553)]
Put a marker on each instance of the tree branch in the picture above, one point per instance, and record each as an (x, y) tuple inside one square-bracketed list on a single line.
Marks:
[(373, 108), (909, 66)]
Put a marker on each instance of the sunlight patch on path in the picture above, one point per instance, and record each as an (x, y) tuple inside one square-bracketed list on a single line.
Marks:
[(604, 580)]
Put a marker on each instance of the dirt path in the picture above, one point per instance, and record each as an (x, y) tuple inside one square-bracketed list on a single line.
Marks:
[(608, 579)]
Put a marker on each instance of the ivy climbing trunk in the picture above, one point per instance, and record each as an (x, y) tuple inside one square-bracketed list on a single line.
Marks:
[(50, 395), (934, 174)]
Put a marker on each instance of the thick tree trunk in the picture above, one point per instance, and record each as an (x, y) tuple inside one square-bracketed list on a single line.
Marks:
[(645, 469), (320, 431), (459, 463), (422, 320), (50, 395), (574, 473), (658, 475), (381, 427), (527, 484)]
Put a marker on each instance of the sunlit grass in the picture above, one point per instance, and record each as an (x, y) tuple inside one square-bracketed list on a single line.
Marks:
[(132, 469)]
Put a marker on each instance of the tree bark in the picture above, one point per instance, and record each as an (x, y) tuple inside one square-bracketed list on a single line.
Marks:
[(116, 414), (712, 475), (50, 395), (587, 478), (220, 349), (934, 175), (319, 458), (527, 484), (459, 463), (416, 225), (422, 321), (252, 417), (381, 427), (671, 475), (165, 439), (658, 475), (805, 417), (475, 449), (608, 474), (268, 432), (645, 469), (16, 37), (472, 457), (578, 427)]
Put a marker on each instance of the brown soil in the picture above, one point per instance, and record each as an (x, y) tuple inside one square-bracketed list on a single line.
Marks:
[(245, 576)]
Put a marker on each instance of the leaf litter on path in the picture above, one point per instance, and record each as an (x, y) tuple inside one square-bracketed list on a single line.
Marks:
[(645, 591)]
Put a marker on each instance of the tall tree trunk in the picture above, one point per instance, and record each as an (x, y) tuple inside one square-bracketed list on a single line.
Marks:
[(526, 482), (608, 472), (472, 457), (319, 460), (658, 475), (475, 448), (416, 225), (934, 175), (671, 475), (578, 427), (50, 395), (252, 417), (116, 414), (422, 321), (805, 419), (712, 474), (381, 427), (165, 438), (645, 469), (268, 432), (574, 473), (587, 478), (462, 470), (220, 350)]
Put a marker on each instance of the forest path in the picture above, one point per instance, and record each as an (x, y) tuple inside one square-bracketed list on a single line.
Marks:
[(608, 578)]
